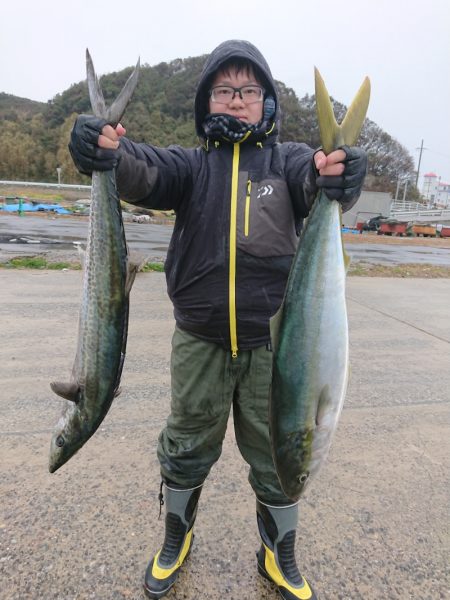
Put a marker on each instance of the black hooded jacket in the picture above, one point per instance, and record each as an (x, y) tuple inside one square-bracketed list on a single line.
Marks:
[(238, 207)]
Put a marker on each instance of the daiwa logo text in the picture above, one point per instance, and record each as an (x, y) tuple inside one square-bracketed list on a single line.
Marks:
[(265, 190)]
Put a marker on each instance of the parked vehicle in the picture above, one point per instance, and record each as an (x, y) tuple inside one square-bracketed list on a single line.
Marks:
[(443, 231), (372, 224), (417, 229), (392, 227)]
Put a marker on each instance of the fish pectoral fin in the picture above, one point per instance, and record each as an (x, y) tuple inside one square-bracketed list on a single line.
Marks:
[(323, 405), (69, 391), (117, 392), (135, 263), (275, 324)]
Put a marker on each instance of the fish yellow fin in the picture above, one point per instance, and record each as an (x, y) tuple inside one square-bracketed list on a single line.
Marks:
[(354, 119), (332, 135), (347, 259)]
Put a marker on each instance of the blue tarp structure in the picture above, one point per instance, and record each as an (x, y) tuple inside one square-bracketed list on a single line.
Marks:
[(350, 230), (27, 207)]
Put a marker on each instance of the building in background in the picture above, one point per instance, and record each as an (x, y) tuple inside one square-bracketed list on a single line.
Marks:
[(435, 192), (370, 204)]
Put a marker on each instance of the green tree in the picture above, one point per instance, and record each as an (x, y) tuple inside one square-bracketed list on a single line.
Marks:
[(36, 135)]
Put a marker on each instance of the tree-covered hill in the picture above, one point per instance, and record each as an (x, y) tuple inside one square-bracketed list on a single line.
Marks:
[(35, 135), (14, 108)]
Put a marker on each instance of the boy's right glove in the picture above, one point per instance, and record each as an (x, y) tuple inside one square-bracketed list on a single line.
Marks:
[(86, 154)]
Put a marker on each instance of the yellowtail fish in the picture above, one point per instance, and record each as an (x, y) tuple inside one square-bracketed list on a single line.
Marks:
[(310, 331)]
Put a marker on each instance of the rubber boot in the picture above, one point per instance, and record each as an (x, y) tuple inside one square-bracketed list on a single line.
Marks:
[(276, 557), (181, 510)]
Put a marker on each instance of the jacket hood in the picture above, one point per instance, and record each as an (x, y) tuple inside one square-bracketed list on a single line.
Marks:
[(223, 52)]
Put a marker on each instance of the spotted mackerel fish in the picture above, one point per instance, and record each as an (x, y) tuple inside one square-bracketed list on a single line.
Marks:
[(103, 322), (310, 331)]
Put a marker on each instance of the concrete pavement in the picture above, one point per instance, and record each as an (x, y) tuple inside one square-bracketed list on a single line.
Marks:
[(374, 524)]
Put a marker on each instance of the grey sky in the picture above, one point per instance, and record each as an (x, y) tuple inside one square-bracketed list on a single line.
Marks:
[(402, 45)]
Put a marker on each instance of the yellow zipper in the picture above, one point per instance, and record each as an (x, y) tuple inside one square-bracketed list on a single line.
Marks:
[(232, 272), (247, 208), (233, 232)]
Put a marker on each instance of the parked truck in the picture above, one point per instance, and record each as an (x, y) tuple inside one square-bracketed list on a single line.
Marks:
[(421, 229)]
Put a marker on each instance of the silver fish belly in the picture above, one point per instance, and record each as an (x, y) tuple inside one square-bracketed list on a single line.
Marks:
[(310, 362), (310, 331)]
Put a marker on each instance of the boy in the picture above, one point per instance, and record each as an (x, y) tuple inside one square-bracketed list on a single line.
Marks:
[(240, 200)]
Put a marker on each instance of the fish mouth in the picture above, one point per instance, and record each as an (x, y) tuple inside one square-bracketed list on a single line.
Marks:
[(58, 454), (62, 448), (59, 457)]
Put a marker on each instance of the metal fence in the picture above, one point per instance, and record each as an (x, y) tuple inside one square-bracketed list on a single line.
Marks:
[(413, 211), (59, 186)]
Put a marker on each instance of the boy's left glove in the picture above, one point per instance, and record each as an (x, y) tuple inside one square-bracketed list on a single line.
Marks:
[(347, 187)]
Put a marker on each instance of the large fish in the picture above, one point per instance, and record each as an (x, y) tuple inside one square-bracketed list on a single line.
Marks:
[(103, 320), (310, 331)]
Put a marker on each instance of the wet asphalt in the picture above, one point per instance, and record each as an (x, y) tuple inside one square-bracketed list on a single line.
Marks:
[(21, 235)]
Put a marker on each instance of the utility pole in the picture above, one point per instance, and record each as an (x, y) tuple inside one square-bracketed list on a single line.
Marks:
[(397, 190), (404, 191), (418, 166)]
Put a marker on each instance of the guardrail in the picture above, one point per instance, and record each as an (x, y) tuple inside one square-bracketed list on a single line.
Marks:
[(60, 186), (421, 216), (408, 206)]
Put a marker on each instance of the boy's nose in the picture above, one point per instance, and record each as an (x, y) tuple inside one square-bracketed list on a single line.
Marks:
[(236, 100)]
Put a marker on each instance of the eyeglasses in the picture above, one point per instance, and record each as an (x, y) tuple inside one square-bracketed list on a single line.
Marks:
[(224, 94)]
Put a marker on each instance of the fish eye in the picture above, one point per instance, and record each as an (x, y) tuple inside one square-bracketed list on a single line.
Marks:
[(60, 441), (303, 477)]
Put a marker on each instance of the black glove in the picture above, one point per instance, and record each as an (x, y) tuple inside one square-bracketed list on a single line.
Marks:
[(83, 148), (346, 187)]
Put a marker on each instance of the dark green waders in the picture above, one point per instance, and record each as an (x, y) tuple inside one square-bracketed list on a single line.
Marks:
[(206, 383), (163, 569), (276, 557)]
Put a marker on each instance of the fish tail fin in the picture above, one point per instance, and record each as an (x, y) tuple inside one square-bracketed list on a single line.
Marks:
[(330, 131), (95, 91), (333, 135), (116, 110), (114, 113), (353, 121)]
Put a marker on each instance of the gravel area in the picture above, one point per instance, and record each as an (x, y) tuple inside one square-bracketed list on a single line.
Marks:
[(374, 523)]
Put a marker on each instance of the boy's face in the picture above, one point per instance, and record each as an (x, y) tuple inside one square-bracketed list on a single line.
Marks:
[(248, 113)]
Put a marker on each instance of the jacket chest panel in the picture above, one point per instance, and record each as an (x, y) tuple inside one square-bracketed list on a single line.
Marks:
[(265, 218)]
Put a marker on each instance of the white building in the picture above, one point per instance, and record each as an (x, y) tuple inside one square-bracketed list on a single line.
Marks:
[(436, 192)]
